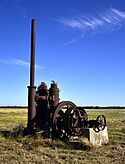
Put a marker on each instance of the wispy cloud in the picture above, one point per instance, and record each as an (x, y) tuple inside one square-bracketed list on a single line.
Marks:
[(104, 21), (69, 42), (112, 17), (19, 62)]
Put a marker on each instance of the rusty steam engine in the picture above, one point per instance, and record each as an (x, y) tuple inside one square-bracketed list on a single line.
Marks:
[(47, 114), (62, 119)]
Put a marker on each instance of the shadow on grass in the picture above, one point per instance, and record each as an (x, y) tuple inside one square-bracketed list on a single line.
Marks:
[(18, 133)]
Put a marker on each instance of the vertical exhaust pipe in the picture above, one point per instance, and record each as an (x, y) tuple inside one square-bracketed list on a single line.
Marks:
[(32, 88)]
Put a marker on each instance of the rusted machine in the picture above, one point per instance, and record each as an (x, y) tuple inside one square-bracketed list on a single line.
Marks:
[(47, 114), (64, 119)]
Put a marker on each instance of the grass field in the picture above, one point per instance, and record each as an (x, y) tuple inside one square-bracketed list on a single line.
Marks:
[(15, 148)]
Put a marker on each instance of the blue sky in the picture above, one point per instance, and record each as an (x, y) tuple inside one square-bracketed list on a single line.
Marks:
[(79, 44)]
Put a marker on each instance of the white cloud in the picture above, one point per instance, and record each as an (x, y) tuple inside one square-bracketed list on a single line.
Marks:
[(18, 62), (108, 20), (69, 42), (119, 13), (101, 22)]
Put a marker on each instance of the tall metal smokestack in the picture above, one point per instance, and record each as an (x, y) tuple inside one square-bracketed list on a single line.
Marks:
[(32, 88)]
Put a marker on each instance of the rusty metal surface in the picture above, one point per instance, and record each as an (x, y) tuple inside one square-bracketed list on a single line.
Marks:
[(74, 120), (32, 60), (59, 129), (53, 95), (64, 105), (31, 108), (64, 118), (32, 88)]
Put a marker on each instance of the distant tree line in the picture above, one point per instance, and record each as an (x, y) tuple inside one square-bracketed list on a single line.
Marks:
[(85, 107), (104, 107), (13, 107)]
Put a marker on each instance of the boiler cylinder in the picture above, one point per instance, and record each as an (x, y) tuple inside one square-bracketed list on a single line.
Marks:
[(54, 94)]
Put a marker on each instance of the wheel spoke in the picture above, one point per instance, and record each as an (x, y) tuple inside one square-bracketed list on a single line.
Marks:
[(101, 122), (58, 119)]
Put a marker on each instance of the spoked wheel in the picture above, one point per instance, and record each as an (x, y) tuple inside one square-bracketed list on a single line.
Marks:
[(100, 123), (74, 120), (59, 130), (82, 114)]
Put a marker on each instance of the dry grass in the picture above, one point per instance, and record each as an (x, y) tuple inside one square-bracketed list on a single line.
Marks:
[(15, 148)]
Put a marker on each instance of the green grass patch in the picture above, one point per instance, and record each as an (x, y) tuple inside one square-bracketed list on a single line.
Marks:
[(10, 116)]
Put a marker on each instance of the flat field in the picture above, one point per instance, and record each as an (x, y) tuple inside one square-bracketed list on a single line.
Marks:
[(16, 148)]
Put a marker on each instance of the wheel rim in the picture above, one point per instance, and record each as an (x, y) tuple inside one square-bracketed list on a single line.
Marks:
[(74, 121), (101, 123), (59, 121)]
